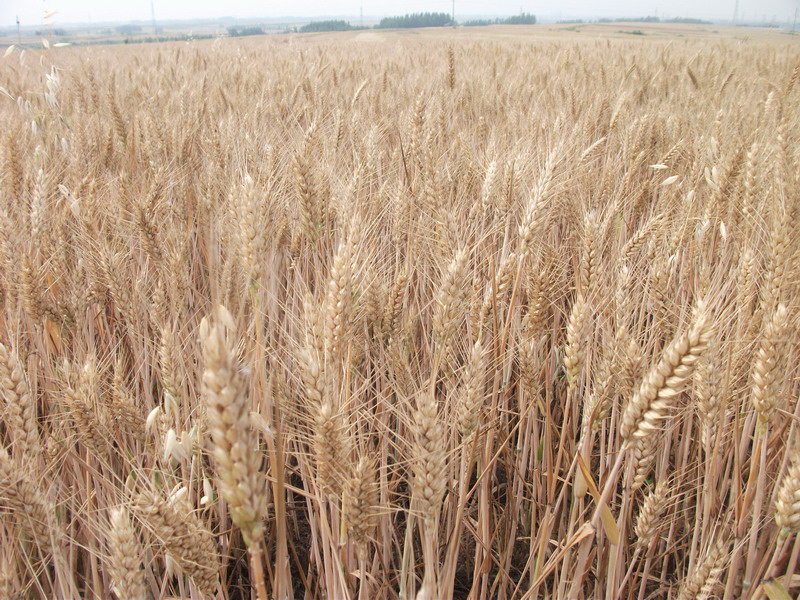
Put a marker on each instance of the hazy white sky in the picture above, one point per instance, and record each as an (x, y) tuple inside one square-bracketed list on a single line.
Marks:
[(30, 12)]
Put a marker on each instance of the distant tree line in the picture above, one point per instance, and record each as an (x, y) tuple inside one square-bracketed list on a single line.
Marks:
[(520, 19), (405, 22), (416, 20), (40, 32), (318, 26), (408, 21), (242, 31), (688, 21)]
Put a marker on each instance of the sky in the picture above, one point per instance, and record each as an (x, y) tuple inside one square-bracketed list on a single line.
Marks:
[(31, 12)]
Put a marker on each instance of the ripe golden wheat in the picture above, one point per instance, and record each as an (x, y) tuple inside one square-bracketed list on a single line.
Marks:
[(400, 317)]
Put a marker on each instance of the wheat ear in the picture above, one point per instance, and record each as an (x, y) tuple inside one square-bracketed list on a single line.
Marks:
[(360, 503), (125, 565), (429, 458), (702, 581), (20, 492), (648, 520), (450, 300), (787, 503), (767, 366), (234, 442), (187, 541), (428, 485), (665, 381), (471, 398), (577, 334), (20, 407)]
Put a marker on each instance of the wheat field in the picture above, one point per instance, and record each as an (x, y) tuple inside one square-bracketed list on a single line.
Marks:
[(397, 316)]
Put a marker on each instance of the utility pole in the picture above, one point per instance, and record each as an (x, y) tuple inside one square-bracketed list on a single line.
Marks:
[(794, 23), (153, 16), (454, 14), (362, 15), (735, 12), (19, 34)]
